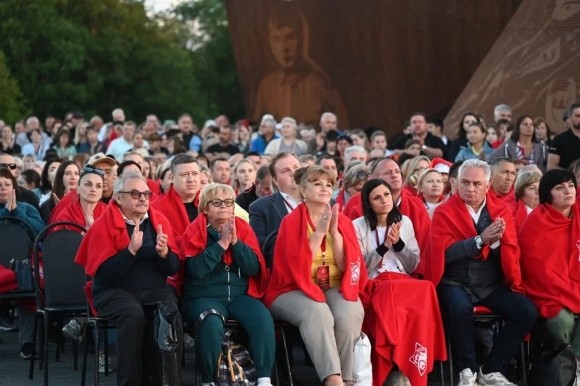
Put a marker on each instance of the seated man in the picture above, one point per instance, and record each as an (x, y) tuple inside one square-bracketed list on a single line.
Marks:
[(475, 260), (130, 251)]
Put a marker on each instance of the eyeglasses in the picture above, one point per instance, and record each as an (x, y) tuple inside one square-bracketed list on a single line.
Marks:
[(10, 166), (137, 194), (218, 203)]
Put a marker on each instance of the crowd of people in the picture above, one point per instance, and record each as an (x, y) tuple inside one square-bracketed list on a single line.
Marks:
[(398, 238)]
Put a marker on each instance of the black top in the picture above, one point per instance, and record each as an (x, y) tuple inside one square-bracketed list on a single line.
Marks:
[(191, 210), (143, 271), (27, 196), (567, 146), (217, 148), (246, 198), (430, 141)]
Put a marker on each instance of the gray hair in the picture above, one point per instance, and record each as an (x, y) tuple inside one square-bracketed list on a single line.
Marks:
[(120, 183), (181, 159), (327, 114), (351, 177), (269, 122), (475, 163), (502, 107), (291, 121)]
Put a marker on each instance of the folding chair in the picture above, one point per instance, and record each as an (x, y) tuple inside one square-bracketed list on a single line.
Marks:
[(63, 279)]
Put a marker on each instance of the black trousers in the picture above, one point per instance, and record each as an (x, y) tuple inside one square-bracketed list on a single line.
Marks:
[(125, 309)]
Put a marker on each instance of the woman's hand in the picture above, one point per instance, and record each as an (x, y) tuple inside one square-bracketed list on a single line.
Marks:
[(89, 217), (333, 227), (136, 239), (234, 235), (11, 202), (225, 232), (161, 246), (393, 235), (323, 225)]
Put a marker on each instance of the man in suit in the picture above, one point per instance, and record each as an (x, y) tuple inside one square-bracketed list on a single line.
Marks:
[(266, 213)]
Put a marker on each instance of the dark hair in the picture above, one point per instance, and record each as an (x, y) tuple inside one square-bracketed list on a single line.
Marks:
[(573, 107), (45, 184), (62, 131), (437, 122), (394, 215), (4, 172), (58, 188), (551, 179), (181, 159), (215, 161), (538, 121), (31, 177), (124, 165), (516, 131), (277, 158), (460, 130), (253, 153), (262, 173), (454, 169)]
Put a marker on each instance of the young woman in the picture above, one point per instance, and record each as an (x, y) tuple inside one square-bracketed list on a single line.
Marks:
[(63, 145), (477, 146), (401, 313), (8, 143), (430, 187), (225, 271), (466, 120), (66, 179), (243, 175), (318, 270), (37, 146)]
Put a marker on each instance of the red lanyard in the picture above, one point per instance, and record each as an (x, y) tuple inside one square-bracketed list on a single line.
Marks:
[(322, 243), (288, 204)]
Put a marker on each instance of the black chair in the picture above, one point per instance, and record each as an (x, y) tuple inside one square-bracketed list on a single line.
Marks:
[(16, 239), (62, 296), (268, 248)]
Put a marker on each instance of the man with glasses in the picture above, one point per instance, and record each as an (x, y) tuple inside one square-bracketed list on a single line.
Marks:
[(129, 252), (22, 195)]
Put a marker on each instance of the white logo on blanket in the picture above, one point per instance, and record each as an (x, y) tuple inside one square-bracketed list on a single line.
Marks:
[(419, 358), (578, 246), (354, 273)]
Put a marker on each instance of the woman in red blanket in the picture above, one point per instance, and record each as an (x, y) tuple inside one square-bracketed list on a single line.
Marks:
[(430, 186), (550, 243), (88, 206), (402, 315), (317, 274), (527, 194)]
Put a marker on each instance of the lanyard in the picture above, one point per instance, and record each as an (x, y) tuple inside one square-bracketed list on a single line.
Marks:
[(377, 236), (288, 204), (322, 243)]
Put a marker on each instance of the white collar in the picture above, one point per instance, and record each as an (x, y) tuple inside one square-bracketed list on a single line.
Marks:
[(475, 215), (131, 222)]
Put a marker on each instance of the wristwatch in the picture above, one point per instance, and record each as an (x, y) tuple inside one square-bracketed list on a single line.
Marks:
[(479, 242), (424, 147)]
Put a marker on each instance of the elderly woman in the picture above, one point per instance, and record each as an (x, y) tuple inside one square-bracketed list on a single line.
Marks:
[(317, 274), (527, 194), (523, 145), (288, 141), (416, 166), (400, 311), (88, 207), (225, 271), (548, 240), (431, 188), (353, 180), (129, 251)]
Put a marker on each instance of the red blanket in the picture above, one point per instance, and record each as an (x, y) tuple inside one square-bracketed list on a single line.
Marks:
[(403, 321), (8, 280), (550, 246), (74, 212), (71, 197), (508, 198), (452, 222), (519, 211), (293, 260), (195, 241), (109, 235)]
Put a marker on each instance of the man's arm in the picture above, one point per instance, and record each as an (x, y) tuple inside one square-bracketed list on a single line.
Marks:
[(462, 249), (553, 161)]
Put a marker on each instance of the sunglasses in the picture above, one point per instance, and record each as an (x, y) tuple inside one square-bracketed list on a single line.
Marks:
[(9, 166), (218, 203), (88, 169), (137, 194)]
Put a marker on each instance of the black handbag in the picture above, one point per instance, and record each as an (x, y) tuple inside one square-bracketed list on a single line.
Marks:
[(553, 367), (24, 276)]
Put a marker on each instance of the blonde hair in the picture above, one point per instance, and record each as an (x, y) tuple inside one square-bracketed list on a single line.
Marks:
[(410, 171), (235, 183), (314, 173), (524, 180), (423, 175), (211, 191)]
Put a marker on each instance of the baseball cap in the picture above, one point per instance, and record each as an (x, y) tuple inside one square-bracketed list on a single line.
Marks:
[(101, 157), (441, 165)]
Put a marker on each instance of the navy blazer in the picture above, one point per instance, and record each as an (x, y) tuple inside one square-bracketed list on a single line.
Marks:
[(266, 214)]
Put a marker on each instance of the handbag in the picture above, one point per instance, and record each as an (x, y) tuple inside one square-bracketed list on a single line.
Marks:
[(235, 366), (24, 278), (362, 370), (553, 367)]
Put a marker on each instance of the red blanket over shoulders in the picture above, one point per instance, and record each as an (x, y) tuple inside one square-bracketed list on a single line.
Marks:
[(293, 260), (109, 235), (74, 212), (519, 211), (550, 246), (69, 198), (403, 321), (195, 241), (171, 205), (452, 222)]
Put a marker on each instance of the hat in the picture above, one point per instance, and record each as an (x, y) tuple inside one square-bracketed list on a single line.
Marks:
[(566, 115), (441, 165), (101, 157)]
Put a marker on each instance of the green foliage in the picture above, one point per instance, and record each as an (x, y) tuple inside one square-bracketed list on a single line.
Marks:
[(12, 103), (95, 55)]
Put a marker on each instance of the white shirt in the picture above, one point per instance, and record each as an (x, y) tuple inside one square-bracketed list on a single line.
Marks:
[(475, 215), (289, 202), (119, 147)]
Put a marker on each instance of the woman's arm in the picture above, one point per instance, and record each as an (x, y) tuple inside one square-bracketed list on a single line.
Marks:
[(29, 215), (338, 250), (245, 258), (409, 255)]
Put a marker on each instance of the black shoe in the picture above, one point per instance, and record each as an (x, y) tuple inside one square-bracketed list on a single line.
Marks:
[(6, 323), (27, 351)]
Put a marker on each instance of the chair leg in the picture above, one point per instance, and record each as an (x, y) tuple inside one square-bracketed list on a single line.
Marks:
[(35, 332), (524, 364), (97, 352), (285, 345), (106, 344), (45, 348), (441, 374), (76, 355), (450, 361)]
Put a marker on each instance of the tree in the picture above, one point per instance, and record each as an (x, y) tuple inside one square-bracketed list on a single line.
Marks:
[(13, 106)]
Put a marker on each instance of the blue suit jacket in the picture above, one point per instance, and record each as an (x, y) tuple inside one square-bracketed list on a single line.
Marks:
[(266, 214)]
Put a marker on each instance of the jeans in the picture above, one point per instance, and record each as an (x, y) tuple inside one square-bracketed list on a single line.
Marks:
[(518, 314)]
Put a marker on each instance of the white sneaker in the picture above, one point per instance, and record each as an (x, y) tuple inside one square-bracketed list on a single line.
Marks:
[(102, 358), (467, 378), (493, 379)]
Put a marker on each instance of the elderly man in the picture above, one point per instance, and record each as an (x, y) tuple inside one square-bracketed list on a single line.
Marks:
[(129, 252), (267, 133), (288, 142), (474, 258), (354, 153), (502, 111)]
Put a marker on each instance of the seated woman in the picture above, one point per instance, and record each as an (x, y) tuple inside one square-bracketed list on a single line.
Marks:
[(401, 313), (548, 240), (477, 146), (225, 271), (431, 187), (130, 251), (353, 179), (415, 167), (88, 206), (317, 274), (66, 179), (527, 194)]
